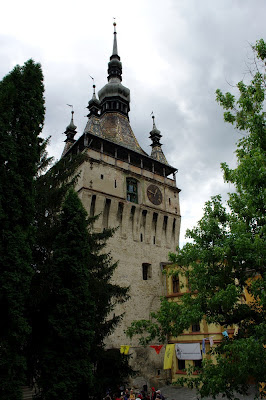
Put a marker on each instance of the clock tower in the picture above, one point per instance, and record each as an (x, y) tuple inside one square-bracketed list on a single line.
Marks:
[(137, 193)]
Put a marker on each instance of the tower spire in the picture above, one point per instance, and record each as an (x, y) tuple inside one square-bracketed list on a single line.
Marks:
[(114, 97), (70, 132), (155, 136), (71, 128), (94, 103), (115, 65), (115, 51)]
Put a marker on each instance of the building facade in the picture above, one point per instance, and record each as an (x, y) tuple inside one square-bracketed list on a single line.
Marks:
[(194, 344), (135, 192)]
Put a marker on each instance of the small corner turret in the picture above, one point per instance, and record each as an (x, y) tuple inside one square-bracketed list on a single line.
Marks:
[(94, 105), (70, 133), (155, 136)]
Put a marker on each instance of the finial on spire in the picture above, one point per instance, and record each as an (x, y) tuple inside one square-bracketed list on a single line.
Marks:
[(93, 86), (153, 121), (115, 51)]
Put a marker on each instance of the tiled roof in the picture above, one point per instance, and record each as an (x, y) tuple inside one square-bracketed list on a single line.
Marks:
[(114, 127), (158, 154)]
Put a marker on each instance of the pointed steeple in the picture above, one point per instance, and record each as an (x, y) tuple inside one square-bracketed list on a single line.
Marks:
[(115, 65), (112, 123), (70, 132), (114, 97), (94, 104), (155, 136), (115, 52)]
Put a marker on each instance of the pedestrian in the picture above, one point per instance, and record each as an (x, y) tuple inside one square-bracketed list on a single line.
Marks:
[(153, 393), (159, 395)]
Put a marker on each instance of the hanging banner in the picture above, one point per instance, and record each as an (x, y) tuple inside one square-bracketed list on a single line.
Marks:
[(124, 349), (168, 356), (188, 351), (157, 348)]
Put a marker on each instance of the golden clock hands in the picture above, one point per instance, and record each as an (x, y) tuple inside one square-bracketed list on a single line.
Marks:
[(150, 191)]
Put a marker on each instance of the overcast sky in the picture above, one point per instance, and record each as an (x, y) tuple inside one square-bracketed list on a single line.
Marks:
[(175, 54)]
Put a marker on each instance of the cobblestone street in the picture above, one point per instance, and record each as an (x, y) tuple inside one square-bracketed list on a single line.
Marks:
[(176, 393)]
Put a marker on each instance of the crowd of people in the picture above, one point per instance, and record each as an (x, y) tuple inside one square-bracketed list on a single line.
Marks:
[(130, 394)]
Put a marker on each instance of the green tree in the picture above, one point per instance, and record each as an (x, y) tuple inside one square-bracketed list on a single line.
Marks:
[(21, 121), (227, 254), (64, 329), (73, 293)]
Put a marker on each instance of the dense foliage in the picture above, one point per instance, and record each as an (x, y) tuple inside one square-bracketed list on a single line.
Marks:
[(72, 292), (21, 121), (56, 293), (225, 262)]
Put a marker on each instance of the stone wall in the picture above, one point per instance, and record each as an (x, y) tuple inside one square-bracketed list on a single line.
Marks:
[(145, 235)]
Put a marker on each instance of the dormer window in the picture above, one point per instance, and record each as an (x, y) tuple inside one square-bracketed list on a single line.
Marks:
[(132, 190)]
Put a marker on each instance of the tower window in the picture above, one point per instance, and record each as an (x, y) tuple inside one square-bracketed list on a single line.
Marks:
[(101, 176), (120, 212), (143, 218), (173, 230), (165, 220), (141, 237), (106, 212), (146, 271), (132, 190), (92, 209)]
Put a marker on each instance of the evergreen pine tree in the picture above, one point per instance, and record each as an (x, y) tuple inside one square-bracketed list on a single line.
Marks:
[(21, 121), (72, 292), (65, 329)]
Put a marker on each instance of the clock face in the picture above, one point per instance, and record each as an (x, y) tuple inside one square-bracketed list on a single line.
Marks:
[(154, 195)]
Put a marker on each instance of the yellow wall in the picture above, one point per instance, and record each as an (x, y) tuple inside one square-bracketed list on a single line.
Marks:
[(206, 330)]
